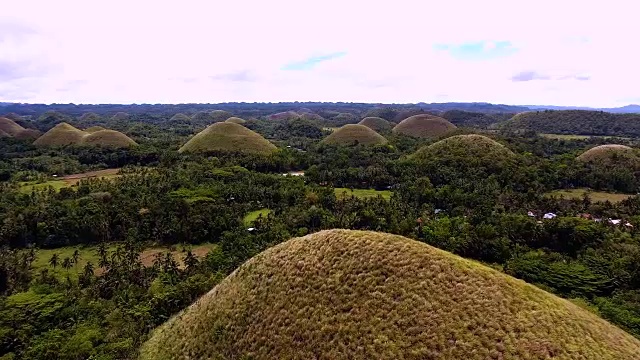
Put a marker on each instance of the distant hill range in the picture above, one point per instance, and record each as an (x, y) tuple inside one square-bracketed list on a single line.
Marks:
[(618, 110)]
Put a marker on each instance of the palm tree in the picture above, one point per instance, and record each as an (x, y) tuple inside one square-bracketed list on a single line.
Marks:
[(75, 257), (54, 260), (67, 264)]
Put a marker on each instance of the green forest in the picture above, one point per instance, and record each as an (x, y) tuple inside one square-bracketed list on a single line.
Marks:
[(91, 262)]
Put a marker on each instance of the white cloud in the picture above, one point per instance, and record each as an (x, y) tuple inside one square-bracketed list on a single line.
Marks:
[(189, 51)]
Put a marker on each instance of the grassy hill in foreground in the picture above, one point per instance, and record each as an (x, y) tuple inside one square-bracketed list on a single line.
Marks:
[(343, 294), (108, 138), (351, 134), (61, 135), (376, 123), (424, 125), (227, 136)]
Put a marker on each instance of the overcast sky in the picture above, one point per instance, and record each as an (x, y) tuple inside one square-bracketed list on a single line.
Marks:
[(560, 52)]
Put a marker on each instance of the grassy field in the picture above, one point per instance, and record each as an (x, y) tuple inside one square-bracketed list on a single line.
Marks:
[(362, 193), (565, 137), (89, 254), (252, 216), (345, 294), (67, 181), (596, 196)]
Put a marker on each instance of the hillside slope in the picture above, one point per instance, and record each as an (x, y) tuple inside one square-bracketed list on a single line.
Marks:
[(580, 122), (228, 136), (342, 294)]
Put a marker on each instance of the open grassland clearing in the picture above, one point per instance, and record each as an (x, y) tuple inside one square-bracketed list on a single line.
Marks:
[(90, 254), (68, 181), (342, 193), (253, 215), (595, 196)]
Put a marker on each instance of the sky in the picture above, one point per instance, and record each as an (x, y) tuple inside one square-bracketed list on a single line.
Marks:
[(559, 52)]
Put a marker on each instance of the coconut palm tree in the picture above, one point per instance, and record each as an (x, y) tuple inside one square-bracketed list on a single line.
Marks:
[(54, 261)]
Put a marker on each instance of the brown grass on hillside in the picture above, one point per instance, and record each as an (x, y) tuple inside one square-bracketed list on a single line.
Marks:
[(4, 134), (343, 294), (120, 116), (93, 129), (285, 115), (89, 116), (236, 120), (10, 127), (351, 134), (61, 135), (424, 125), (471, 145), (609, 153), (108, 138), (227, 136), (220, 115), (180, 118), (376, 123), (28, 134)]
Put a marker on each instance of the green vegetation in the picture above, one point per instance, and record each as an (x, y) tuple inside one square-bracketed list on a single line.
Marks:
[(134, 208), (595, 196), (565, 136), (376, 124), (575, 122), (253, 215), (351, 285), (352, 134), (424, 126), (362, 193), (89, 117), (108, 138), (61, 135), (228, 137)]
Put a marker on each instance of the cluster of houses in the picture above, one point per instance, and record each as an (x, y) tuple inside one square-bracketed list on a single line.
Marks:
[(617, 222)]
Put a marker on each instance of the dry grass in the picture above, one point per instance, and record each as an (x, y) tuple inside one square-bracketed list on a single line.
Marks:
[(93, 129), (220, 115), (595, 196), (471, 145), (285, 115), (120, 116), (90, 254), (344, 193), (224, 136), (351, 134), (236, 120), (180, 118), (424, 125), (342, 294), (565, 137), (609, 154), (68, 181), (10, 127), (376, 123), (61, 135), (108, 138), (89, 117)]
